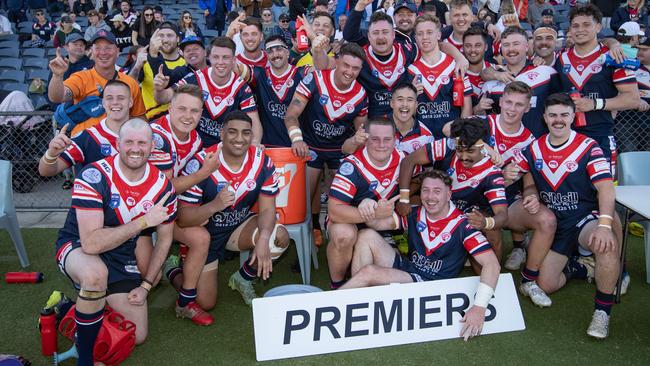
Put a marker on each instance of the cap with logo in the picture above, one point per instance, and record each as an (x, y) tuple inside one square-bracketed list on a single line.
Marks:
[(547, 12), (409, 4), (103, 34), (190, 40)]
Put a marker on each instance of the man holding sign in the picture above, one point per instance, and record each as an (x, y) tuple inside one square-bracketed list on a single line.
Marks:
[(440, 237)]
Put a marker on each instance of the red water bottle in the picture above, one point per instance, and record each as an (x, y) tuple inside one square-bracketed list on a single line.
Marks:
[(24, 277), (581, 119), (301, 37), (458, 92), (47, 326)]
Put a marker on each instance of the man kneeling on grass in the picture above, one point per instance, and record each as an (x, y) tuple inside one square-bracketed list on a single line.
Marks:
[(439, 239)]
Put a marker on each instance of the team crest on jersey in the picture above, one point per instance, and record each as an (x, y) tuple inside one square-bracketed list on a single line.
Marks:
[(289, 82), (173, 157), (596, 68), (349, 107), (323, 99), (92, 175), (474, 183), (130, 201), (450, 172), (571, 166), (216, 99), (346, 168), (431, 78), (416, 145), (461, 176), (250, 184), (385, 182), (158, 142), (532, 75), (115, 201), (553, 164), (502, 147), (205, 95), (105, 149), (432, 234), (192, 166), (375, 73), (445, 237), (388, 73), (373, 185), (539, 164), (230, 101), (580, 68), (220, 186), (444, 79), (336, 103), (421, 226), (566, 68), (147, 205)]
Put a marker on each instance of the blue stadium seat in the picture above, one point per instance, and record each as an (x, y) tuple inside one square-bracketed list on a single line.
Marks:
[(38, 74), (210, 33), (16, 87), (25, 24), (9, 44), (51, 53), (9, 52), (10, 63), (35, 63), (33, 52), (606, 33), (9, 37), (12, 76), (121, 59), (38, 100)]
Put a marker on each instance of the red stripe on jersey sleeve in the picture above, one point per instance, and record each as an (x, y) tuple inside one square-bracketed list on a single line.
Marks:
[(343, 187), (622, 76), (599, 169), (303, 90), (476, 243), (73, 154)]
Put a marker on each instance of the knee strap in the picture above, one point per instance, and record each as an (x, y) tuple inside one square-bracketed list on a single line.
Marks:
[(89, 295)]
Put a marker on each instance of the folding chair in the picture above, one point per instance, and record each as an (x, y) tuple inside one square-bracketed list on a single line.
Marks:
[(633, 171), (8, 219)]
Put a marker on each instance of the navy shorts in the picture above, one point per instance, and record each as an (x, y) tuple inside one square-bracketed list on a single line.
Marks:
[(123, 274), (320, 158), (403, 264), (567, 233), (217, 249)]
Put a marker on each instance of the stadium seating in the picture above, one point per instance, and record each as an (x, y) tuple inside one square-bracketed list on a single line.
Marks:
[(11, 63), (38, 74), (35, 63), (15, 76), (16, 87), (9, 52), (33, 52), (8, 219)]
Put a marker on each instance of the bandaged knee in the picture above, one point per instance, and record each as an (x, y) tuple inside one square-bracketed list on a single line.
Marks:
[(90, 295), (276, 251)]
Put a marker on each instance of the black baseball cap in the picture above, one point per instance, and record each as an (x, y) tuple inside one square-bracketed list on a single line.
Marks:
[(190, 40), (546, 12), (409, 4)]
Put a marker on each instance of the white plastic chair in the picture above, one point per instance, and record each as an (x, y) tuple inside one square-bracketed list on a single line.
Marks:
[(633, 171), (8, 219)]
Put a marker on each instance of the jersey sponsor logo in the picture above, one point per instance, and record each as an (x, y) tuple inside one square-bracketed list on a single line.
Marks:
[(532, 75), (445, 237), (553, 164), (327, 130), (277, 110), (158, 142), (91, 175), (192, 166), (105, 149), (450, 171), (205, 95), (373, 185), (602, 167), (130, 201), (566, 68), (474, 183), (346, 168), (114, 201)]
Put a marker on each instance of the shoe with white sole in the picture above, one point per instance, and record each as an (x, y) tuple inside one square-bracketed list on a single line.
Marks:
[(599, 327), (516, 259), (536, 294)]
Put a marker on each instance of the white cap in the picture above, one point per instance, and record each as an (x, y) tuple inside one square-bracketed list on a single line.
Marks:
[(630, 29)]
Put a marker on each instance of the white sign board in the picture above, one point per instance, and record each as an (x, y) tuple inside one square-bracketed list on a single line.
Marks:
[(345, 320)]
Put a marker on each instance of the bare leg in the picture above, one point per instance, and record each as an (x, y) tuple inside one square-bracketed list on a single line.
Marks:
[(339, 249), (136, 314), (543, 223), (551, 277)]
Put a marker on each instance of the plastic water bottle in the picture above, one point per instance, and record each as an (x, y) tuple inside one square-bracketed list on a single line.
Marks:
[(47, 326), (628, 63), (581, 119), (24, 277), (458, 92), (301, 36)]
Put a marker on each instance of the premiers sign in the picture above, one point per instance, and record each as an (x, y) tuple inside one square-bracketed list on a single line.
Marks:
[(344, 320)]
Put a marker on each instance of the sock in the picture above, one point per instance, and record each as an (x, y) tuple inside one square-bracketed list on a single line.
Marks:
[(603, 302), (528, 275), (172, 273), (88, 326), (248, 272), (336, 284), (315, 221), (518, 244), (186, 296), (574, 269)]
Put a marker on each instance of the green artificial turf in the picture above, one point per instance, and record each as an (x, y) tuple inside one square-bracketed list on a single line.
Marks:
[(552, 336)]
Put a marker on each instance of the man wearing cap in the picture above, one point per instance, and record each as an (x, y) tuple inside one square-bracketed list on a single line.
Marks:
[(628, 34), (91, 82), (547, 18), (95, 24), (193, 52), (282, 28), (122, 32), (75, 45), (163, 58), (536, 10)]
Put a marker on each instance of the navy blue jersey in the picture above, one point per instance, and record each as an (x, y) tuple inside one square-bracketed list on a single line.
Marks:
[(593, 80), (565, 176), (543, 81), (418, 136), (435, 103), (92, 144), (481, 185), (219, 101), (378, 77), (438, 249), (273, 94), (169, 153), (255, 177), (477, 82), (358, 178), (328, 118), (493, 47), (102, 186)]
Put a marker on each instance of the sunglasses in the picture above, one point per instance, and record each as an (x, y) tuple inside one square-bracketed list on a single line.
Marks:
[(266, 15), (148, 14), (187, 17), (284, 21), (39, 14)]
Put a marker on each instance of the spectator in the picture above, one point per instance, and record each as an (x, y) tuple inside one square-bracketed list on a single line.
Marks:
[(66, 29), (187, 27), (338, 36), (144, 27), (267, 22), (321, 5), (628, 35), (635, 11), (131, 59), (547, 18), (73, 19), (56, 6), (42, 29), (607, 7), (16, 11), (81, 7), (215, 13), (278, 8), (441, 9), (122, 32), (5, 25), (195, 58), (95, 24), (75, 45), (282, 28), (254, 7), (535, 10), (129, 16), (297, 7), (158, 14)]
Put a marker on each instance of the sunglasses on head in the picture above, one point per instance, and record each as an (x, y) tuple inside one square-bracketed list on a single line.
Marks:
[(187, 17)]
